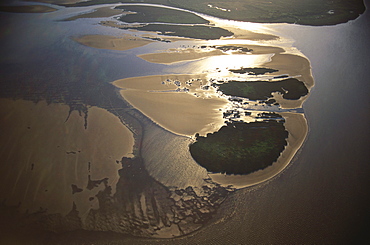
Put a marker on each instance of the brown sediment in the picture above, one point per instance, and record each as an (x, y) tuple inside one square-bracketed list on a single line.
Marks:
[(250, 35), (293, 65), (297, 127), (125, 42), (27, 9), (98, 13), (44, 154), (177, 55), (160, 83), (182, 113)]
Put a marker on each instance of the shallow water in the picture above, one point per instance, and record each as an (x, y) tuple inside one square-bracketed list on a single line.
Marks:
[(46, 66)]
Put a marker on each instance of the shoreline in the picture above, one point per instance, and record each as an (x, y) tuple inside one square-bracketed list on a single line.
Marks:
[(296, 125), (44, 139), (122, 43), (165, 106)]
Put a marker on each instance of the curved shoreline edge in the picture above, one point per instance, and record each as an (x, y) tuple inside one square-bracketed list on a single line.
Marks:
[(297, 127), (282, 11)]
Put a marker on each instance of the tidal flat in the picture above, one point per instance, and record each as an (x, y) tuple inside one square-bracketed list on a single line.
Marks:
[(55, 159), (175, 101), (111, 42)]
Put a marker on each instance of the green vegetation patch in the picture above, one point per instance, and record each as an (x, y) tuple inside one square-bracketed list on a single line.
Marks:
[(312, 12), (306, 12), (240, 148), (197, 32), (291, 88), (253, 71), (147, 14)]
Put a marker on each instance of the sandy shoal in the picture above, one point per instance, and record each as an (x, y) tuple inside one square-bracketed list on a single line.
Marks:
[(28, 9), (98, 13), (179, 112), (177, 55), (125, 42), (173, 56), (43, 154), (160, 82), (250, 35), (293, 65), (296, 125)]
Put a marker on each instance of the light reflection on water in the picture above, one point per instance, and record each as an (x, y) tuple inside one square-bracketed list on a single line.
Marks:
[(221, 64), (168, 163)]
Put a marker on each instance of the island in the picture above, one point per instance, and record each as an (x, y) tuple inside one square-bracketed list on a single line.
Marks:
[(314, 12), (291, 89), (240, 148)]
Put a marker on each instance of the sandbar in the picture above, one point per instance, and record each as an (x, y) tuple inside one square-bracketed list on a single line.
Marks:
[(183, 113), (296, 125), (122, 43), (249, 35), (294, 65), (98, 13), (44, 151), (177, 55)]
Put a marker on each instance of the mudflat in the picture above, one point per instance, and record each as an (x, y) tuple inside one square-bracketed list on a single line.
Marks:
[(187, 111), (55, 158), (125, 42)]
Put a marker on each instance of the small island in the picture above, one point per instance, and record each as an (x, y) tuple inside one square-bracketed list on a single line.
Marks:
[(291, 88), (187, 31), (240, 148), (313, 12), (253, 71), (149, 14)]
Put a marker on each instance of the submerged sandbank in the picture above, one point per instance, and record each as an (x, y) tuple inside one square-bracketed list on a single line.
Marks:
[(191, 110), (122, 43), (53, 161)]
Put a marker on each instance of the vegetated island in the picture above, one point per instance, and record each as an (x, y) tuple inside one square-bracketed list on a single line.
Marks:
[(196, 31), (240, 148), (313, 12), (291, 88), (148, 14), (180, 23), (253, 71)]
